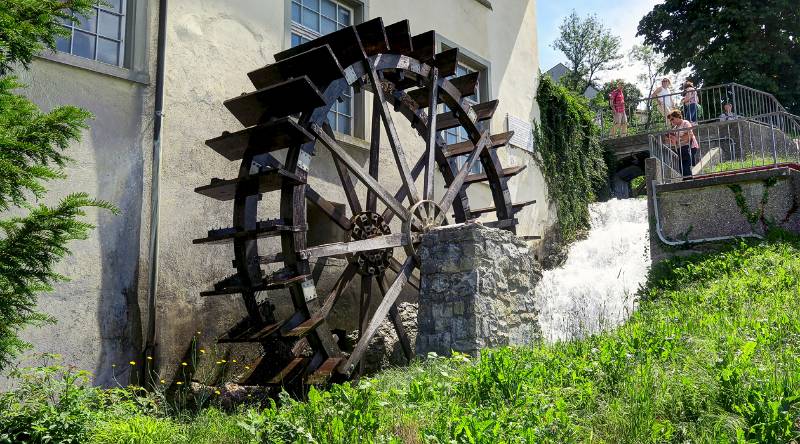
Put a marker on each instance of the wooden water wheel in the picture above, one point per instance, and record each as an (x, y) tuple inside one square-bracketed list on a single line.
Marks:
[(288, 113)]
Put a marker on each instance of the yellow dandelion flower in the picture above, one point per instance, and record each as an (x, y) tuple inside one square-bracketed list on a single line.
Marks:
[(198, 333), (233, 360), (113, 365), (149, 358), (222, 360), (132, 363), (184, 364), (217, 392), (249, 395), (247, 367), (163, 381), (203, 351), (179, 383), (219, 362)]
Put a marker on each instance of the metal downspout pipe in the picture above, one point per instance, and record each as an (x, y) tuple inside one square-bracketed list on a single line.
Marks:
[(148, 354)]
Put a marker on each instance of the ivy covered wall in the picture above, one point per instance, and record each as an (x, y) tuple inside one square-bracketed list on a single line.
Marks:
[(574, 164)]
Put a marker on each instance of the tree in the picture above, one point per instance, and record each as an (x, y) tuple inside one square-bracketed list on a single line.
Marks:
[(32, 152), (752, 42), (590, 48), (653, 64)]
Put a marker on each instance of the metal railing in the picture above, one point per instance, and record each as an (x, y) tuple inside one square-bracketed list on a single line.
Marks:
[(648, 115), (761, 141)]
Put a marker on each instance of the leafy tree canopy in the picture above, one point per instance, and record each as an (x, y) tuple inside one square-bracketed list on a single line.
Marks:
[(752, 42), (590, 48)]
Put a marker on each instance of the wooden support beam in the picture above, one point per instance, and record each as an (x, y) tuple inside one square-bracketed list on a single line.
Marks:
[(466, 147)]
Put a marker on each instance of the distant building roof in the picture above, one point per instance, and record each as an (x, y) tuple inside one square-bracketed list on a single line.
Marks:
[(560, 70)]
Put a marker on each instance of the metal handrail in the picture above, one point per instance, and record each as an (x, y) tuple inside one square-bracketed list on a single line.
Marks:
[(761, 141), (647, 115)]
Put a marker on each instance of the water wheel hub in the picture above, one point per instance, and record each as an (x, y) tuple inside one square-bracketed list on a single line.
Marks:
[(367, 225)]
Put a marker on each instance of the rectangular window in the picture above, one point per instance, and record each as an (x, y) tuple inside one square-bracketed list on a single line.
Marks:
[(101, 36), (459, 134), (315, 18)]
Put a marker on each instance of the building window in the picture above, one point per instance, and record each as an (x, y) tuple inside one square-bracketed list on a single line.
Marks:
[(100, 36), (459, 134), (315, 18)]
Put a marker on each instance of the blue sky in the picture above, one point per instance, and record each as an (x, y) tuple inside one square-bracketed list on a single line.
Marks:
[(621, 16)]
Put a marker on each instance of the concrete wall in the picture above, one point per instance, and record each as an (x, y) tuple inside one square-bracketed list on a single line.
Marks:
[(687, 214), (211, 45)]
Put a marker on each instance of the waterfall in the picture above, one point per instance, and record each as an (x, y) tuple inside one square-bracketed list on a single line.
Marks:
[(595, 288)]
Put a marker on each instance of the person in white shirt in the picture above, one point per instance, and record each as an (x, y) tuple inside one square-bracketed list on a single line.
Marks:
[(663, 97), (728, 113)]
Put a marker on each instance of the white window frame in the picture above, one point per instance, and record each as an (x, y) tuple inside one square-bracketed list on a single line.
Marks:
[(305, 32), (121, 41)]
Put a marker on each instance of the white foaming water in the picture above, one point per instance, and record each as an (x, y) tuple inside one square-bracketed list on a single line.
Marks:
[(595, 288)]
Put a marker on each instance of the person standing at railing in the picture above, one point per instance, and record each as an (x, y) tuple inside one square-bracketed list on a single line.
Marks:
[(690, 101), (663, 97), (682, 140), (616, 99), (727, 113)]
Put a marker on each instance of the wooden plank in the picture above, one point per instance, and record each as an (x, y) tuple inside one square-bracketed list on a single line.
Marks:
[(363, 311), (264, 138), (483, 111), (264, 228), (378, 316), (505, 223), (399, 38), (269, 285), (279, 100), (368, 180), (430, 142), (461, 148), (265, 181), (304, 328), (455, 186), (344, 43), (466, 85), (294, 366), (424, 46), (341, 248), (324, 372), (446, 61), (373, 37), (507, 172), (319, 64), (516, 207), (253, 336)]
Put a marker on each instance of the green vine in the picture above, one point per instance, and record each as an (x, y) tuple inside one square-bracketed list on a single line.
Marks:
[(754, 217), (570, 156)]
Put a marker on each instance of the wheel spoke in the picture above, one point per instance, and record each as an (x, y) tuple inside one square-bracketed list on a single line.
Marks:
[(368, 180), (394, 139), (338, 288), (344, 176), (374, 152), (430, 144), (394, 315), (363, 312), (357, 246), (380, 314), (458, 182), (328, 208)]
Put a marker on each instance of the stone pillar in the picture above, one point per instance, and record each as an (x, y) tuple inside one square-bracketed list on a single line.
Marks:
[(476, 290)]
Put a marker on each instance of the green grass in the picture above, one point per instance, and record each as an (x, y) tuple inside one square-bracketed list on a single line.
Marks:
[(712, 355)]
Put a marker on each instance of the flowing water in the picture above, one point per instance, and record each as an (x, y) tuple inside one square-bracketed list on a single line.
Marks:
[(595, 288)]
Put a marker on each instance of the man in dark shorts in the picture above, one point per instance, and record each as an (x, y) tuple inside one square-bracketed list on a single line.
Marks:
[(682, 139)]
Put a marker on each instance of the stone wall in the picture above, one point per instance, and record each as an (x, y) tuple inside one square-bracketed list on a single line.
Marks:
[(477, 290)]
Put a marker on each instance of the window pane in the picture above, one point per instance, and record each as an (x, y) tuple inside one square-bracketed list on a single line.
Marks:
[(86, 23), (344, 16), (328, 26), (329, 9), (83, 44), (344, 107), (63, 43), (295, 12), (344, 125), (108, 25), (311, 19), (115, 5), (332, 119), (296, 40), (108, 51), (311, 4)]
